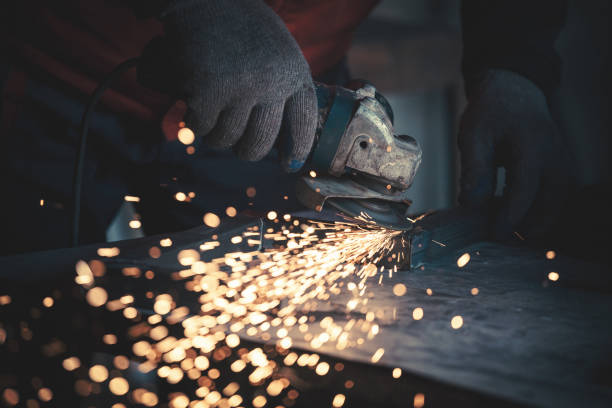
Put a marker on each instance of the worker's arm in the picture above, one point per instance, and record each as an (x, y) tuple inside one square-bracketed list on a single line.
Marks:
[(240, 72), (510, 67)]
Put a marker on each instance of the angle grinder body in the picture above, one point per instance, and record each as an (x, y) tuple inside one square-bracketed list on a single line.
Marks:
[(362, 168)]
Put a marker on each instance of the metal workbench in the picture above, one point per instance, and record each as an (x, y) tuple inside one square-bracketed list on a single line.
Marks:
[(525, 340)]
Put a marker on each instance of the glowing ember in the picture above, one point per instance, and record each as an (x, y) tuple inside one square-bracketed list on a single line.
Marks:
[(417, 313), (71, 363), (259, 401), (553, 276), (338, 400), (109, 339), (96, 297), (312, 173), (397, 373), (399, 289), (322, 368), (119, 386), (550, 254), (419, 400), (456, 322), (10, 396), (135, 224), (463, 260), (231, 211), (45, 394), (132, 199), (98, 373), (108, 252), (474, 291), (186, 136), (166, 242), (250, 192), (378, 355), (48, 301), (188, 257), (212, 220)]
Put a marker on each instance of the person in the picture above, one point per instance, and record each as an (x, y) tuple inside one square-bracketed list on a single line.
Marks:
[(242, 71)]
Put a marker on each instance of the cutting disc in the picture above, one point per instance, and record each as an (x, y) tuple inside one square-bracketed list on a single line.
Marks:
[(384, 213)]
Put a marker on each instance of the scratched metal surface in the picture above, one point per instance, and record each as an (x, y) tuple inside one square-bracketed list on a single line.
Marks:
[(523, 338)]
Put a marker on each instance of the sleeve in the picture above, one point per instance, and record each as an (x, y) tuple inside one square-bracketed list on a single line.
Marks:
[(515, 35)]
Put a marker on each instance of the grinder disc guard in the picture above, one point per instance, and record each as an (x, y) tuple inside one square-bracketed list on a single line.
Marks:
[(383, 213), (355, 198)]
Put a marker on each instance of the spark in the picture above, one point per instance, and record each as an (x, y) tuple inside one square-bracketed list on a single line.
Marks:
[(251, 192), (399, 289), (312, 173), (212, 220), (438, 242), (419, 400), (456, 322), (135, 224), (231, 211), (553, 276), (474, 291), (186, 136), (550, 254), (133, 199), (378, 355), (397, 373), (417, 219), (463, 260), (273, 295), (96, 297), (338, 400), (108, 252), (417, 313), (45, 394), (98, 373)]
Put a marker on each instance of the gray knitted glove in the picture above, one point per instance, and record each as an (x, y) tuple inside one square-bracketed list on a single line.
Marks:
[(507, 123), (242, 75)]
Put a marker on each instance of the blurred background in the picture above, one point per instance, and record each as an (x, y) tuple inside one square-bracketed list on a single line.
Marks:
[(411, 50)]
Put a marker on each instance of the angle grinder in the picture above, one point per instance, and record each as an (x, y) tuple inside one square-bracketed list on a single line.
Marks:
[(364, 169), (361, 167)]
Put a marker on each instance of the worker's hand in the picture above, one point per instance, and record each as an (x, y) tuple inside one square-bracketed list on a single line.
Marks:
[(507, 123), (241, 74)]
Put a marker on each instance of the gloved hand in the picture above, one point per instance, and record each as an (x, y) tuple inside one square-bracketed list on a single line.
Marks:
[(241, 74), (507, 123)]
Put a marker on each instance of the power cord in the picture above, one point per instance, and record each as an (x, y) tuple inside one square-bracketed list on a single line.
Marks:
[(77, 180)]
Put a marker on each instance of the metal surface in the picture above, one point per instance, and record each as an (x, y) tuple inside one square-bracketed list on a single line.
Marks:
[(524, 339)]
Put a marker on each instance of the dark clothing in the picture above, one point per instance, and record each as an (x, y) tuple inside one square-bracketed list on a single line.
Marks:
[(517, 35)]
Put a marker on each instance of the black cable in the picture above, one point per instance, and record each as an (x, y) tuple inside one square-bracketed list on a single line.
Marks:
[(77, 180)]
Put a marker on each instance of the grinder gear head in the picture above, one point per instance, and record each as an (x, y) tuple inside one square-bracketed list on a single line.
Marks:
[(363, 168)]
